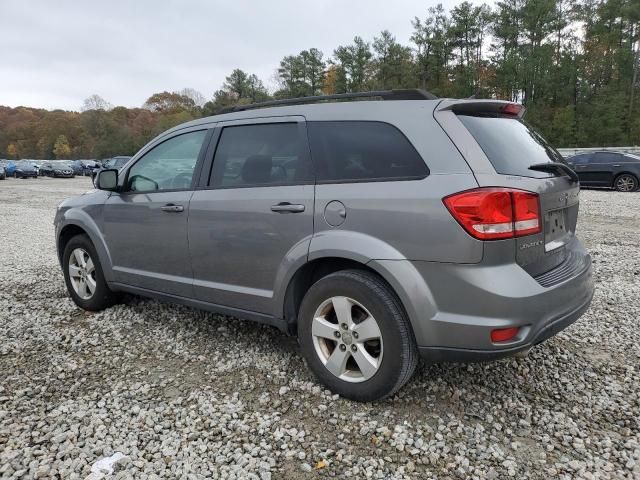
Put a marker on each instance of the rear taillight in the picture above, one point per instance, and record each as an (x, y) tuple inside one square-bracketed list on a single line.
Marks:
[(494, 213)]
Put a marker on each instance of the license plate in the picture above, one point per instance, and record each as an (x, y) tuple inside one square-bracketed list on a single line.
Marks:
[(555, 230)]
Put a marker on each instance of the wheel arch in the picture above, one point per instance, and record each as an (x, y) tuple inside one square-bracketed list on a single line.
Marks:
[(400, 276), (74, 224), (625, 172)]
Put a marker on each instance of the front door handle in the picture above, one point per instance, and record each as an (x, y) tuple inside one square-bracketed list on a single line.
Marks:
[(286, 207), (170, 207)]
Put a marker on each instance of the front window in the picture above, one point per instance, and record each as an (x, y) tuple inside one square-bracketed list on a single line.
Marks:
[(168, 166)]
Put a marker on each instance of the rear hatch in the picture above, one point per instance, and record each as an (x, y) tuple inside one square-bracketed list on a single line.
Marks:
[(503, 151)]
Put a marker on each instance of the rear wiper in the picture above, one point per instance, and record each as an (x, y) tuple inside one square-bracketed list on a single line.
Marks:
[(556, 167)]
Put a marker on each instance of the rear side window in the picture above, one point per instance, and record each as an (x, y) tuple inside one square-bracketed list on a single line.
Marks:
[(363, 151), (259, 155), (580, 159), (510, 144)]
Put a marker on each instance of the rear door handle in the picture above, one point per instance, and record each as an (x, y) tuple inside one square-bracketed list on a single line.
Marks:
[(286, 207), (617, 165), (170, 207)]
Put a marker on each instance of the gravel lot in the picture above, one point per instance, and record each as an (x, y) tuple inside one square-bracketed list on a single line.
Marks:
[(187, 394)]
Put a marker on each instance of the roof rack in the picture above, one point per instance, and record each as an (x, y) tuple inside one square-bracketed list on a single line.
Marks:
[(404, 94)]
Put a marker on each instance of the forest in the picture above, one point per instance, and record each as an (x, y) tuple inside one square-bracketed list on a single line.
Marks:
[(574, 64)]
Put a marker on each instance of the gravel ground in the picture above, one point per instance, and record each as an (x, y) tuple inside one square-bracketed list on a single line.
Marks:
[(187, 394)]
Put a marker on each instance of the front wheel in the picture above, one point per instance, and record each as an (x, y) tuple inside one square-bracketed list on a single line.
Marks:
[(355, 336), (625, 183), (83, 275)]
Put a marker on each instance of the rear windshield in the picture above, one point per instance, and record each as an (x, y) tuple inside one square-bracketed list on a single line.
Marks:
[(511, 145)]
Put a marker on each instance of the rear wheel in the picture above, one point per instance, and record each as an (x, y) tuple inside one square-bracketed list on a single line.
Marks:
[(355, 336), (83, 275), (625, 183)]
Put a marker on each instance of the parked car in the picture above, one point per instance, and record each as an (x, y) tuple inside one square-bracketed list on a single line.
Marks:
[(10, 168), (115, 162), (76, 166), (3, 173), (25, 169), (46, 169), (375, 231), (56, 169), (89, 167), (620, 171)]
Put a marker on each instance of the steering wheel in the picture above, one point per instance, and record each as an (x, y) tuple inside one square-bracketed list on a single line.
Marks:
[(182, 180)]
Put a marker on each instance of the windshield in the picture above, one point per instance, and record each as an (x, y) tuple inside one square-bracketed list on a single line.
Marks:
[(511, 145)]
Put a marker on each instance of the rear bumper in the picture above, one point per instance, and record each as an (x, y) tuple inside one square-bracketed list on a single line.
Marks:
[(444, 354), (454, 307)]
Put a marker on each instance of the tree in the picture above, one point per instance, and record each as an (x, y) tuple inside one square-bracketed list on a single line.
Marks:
[(239, 88), (169, 102), (12, 151), (61, 148), (432, 39), (198, 99), (301, 75), (393, 63), (95, 102), (353, 66)]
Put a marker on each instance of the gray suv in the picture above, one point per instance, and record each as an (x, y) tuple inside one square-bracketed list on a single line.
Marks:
[(375, 231)]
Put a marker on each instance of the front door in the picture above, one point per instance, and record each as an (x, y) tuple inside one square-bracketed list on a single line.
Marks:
[(255, 215), (145, 224)]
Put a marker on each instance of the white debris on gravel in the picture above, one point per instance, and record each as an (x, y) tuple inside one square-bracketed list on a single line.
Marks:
[(104, 466), (187, 394)]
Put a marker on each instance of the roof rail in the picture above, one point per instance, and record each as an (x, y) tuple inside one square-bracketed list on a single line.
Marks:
[(404, 94)]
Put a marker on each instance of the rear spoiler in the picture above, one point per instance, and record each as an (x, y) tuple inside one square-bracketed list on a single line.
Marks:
[(473, 106), (556, 167)]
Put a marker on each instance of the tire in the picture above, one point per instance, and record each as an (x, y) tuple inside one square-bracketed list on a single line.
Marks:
[(625, 182), (101, 297), (391, 359)]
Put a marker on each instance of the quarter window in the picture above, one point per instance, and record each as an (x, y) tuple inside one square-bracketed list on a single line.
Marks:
[(168, 166), (265, 154), (363, 151)]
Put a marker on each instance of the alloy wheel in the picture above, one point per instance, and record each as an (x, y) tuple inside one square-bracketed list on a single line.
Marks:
[(625, 183), (82, 273), (347, 339)]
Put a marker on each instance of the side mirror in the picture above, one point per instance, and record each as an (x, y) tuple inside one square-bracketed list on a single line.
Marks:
[(107, 180)]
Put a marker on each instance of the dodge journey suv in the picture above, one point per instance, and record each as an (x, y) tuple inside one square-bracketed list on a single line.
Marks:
[(376, 231)]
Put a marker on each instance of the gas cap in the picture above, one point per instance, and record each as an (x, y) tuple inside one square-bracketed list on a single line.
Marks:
[(335, 213)]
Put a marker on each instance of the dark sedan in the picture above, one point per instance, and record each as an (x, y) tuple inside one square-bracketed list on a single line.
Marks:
[(56, 169), (617, 170), (26, 170)]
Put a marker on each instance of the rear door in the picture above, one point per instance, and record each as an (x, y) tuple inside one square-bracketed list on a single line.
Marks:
[(255, 214), (501, 148)]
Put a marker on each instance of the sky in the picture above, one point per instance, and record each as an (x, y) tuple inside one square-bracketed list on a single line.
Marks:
[(56, 54)]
